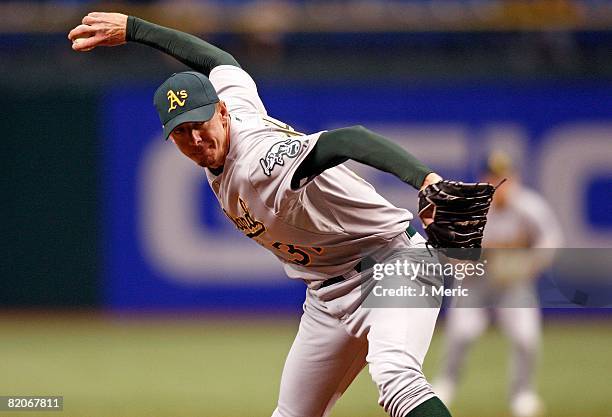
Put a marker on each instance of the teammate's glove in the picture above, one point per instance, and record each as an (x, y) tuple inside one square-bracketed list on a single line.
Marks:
[(454, 215)]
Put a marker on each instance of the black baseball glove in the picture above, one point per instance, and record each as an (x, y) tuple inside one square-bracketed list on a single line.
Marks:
[(454, 215)]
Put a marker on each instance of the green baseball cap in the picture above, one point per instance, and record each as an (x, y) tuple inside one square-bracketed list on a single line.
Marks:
[(185, 97)]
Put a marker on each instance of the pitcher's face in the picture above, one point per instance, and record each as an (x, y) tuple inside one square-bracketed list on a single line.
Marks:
[(205, 143)]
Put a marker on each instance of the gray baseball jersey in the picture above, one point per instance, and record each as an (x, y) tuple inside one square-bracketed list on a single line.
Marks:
[(527, 222), (319, 230)]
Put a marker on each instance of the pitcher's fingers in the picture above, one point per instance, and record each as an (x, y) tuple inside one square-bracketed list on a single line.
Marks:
[(85, 44), (90, 20), (81, 31), (97, 14)]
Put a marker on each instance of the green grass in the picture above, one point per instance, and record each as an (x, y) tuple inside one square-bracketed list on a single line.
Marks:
[(211, 367)]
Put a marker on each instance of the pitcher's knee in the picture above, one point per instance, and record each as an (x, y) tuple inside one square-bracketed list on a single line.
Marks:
[(401, 390)]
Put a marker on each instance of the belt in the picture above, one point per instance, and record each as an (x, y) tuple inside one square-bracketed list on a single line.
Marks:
[(363, 264)]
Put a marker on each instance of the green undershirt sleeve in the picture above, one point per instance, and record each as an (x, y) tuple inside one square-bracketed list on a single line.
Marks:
[(430, 408), (362, 145), (190, 50)]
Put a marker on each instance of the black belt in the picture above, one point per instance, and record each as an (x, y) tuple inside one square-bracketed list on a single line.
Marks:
[(363, 264)]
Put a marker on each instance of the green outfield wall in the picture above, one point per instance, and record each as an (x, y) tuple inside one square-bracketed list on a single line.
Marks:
[(49, 188)]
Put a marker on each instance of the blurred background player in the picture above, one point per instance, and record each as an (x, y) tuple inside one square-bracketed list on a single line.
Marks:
[(519, 219)]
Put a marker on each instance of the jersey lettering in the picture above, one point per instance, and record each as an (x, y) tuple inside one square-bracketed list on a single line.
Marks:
[(246, 223)]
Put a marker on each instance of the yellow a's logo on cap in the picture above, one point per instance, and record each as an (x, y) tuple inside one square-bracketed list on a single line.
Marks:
[(174, 100)]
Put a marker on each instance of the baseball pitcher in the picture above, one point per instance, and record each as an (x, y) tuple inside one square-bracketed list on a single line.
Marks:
[(291, 193)]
